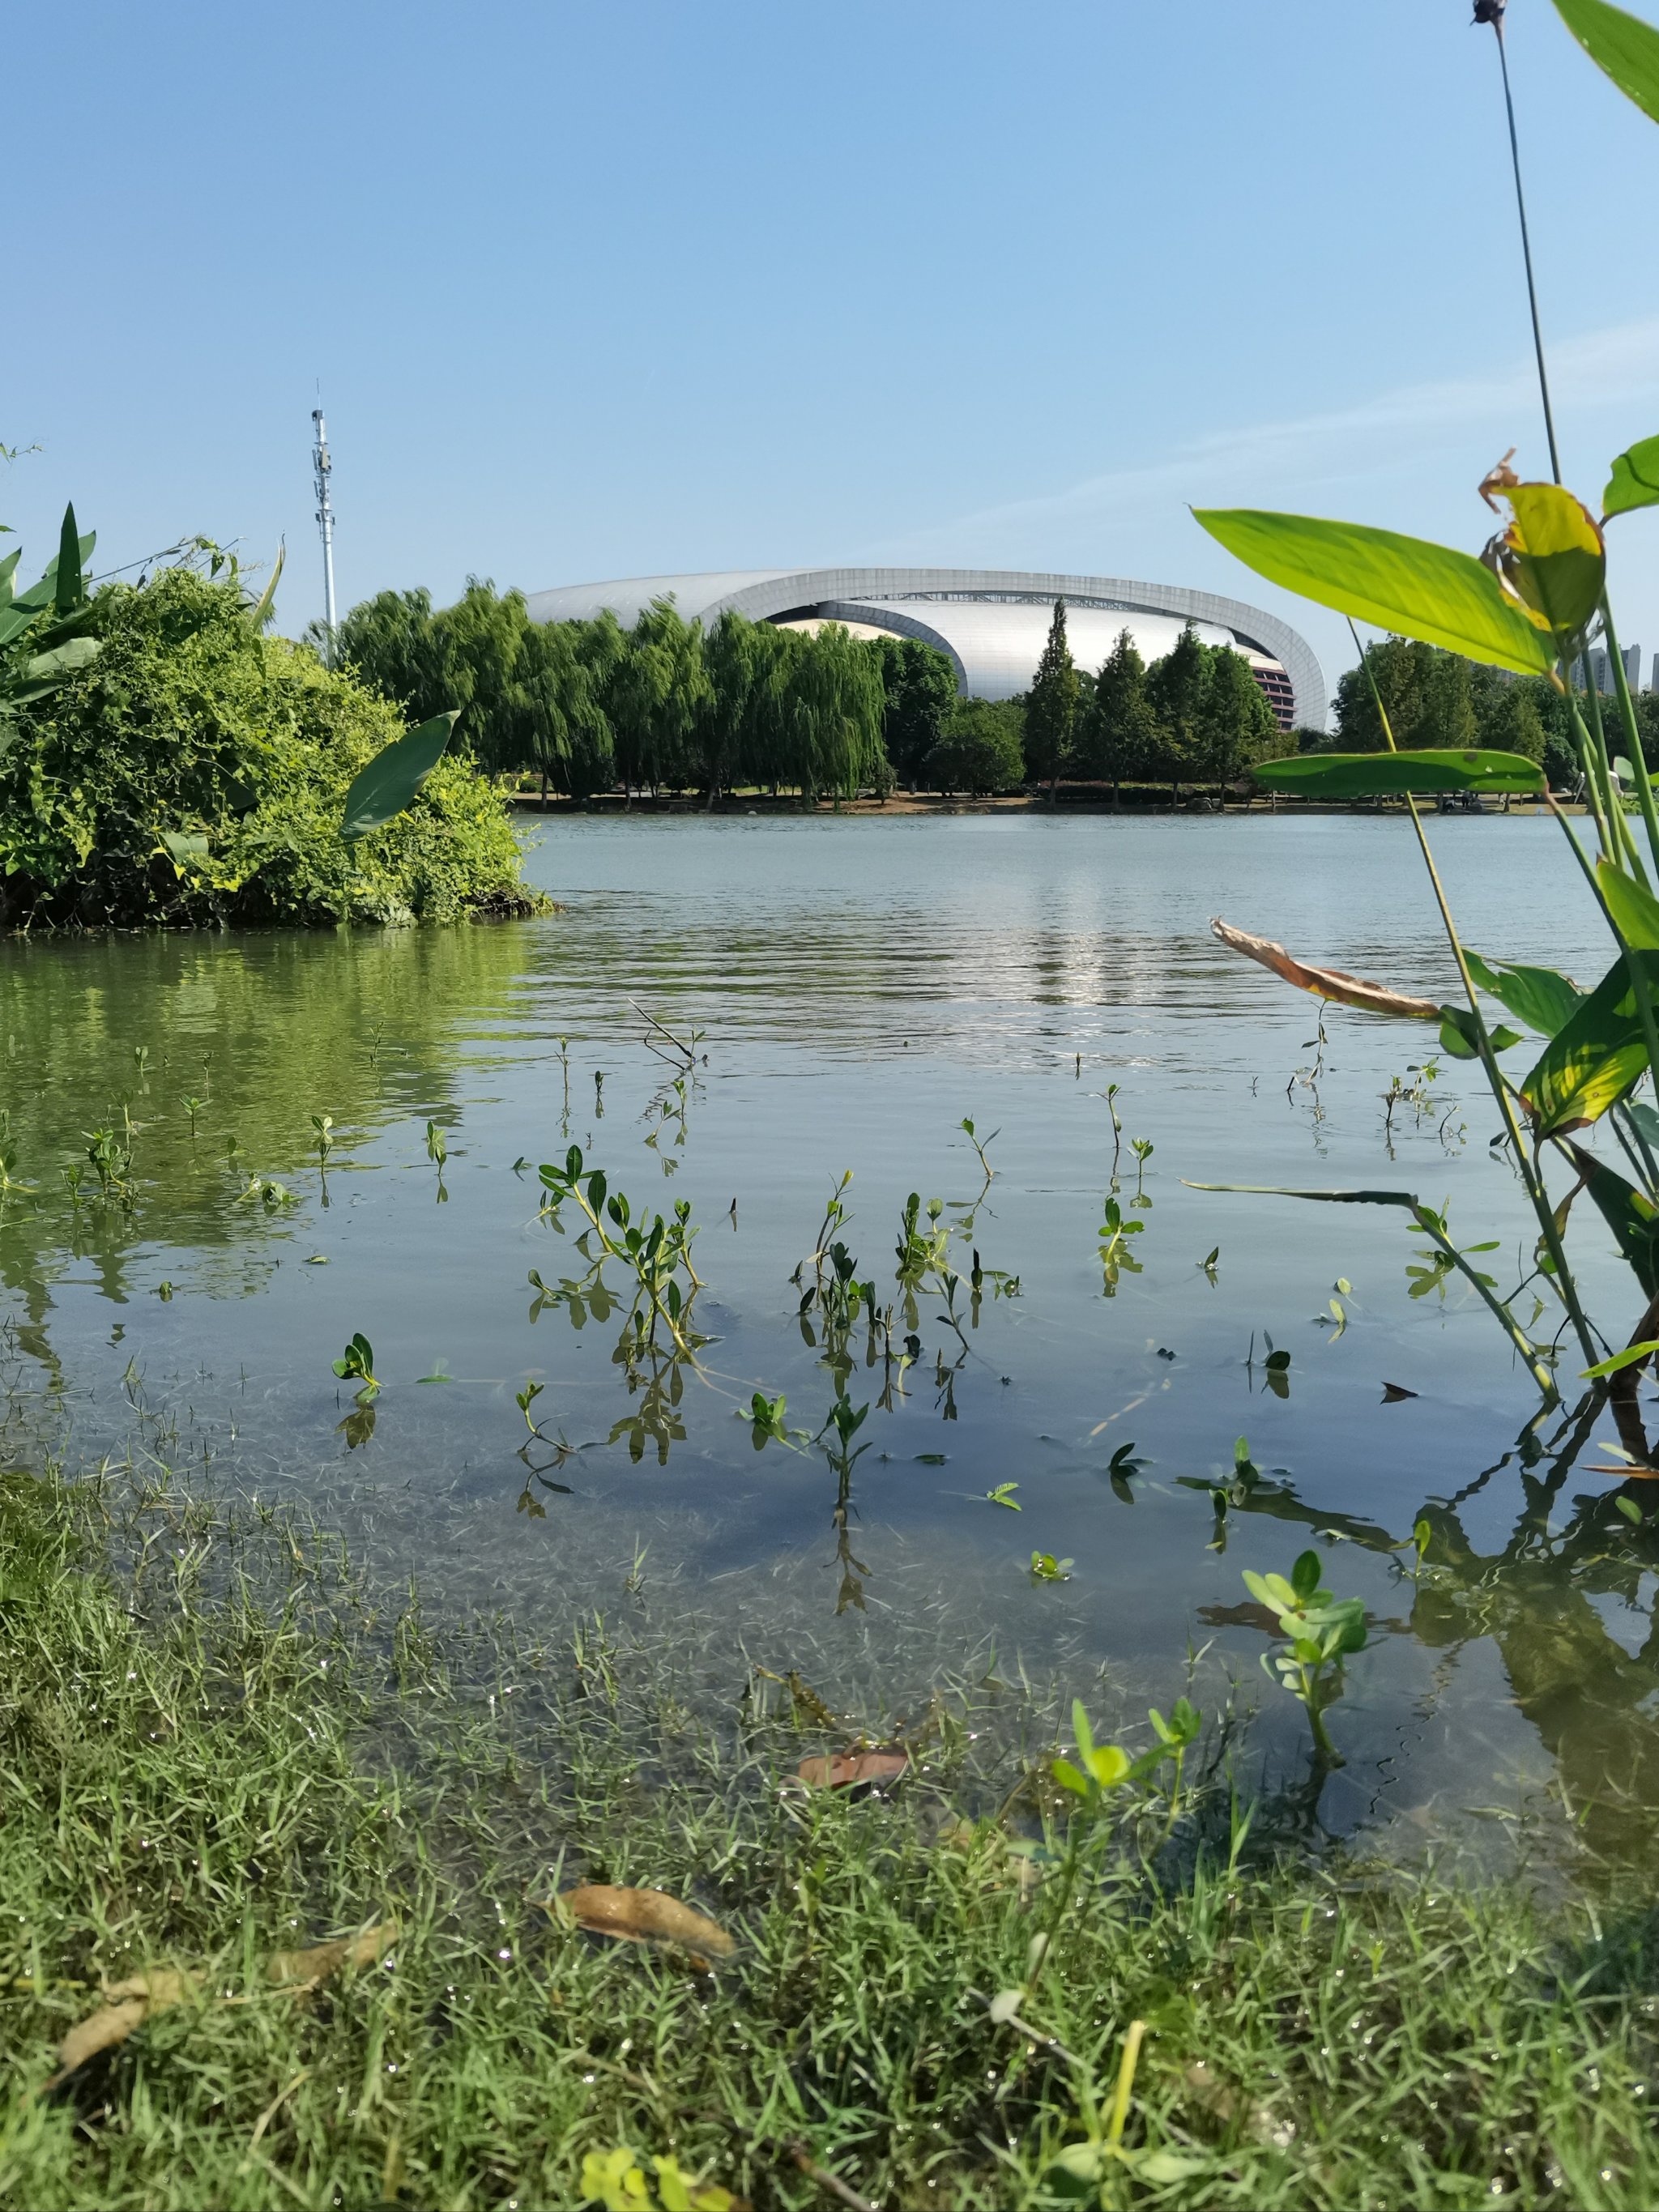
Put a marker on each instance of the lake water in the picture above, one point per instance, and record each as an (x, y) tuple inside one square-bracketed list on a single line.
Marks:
[(862, 986)]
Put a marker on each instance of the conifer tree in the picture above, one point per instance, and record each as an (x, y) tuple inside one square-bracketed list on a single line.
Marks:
[(1177, 685), (1051, 707), (1121, 733), (1236, 726)]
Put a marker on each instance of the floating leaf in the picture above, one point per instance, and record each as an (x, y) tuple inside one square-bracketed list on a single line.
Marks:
[(1621, 44), (389, 783), (1323, 982), (645, 1916), (847, 1770), (1394, 1392), (1405, 585)]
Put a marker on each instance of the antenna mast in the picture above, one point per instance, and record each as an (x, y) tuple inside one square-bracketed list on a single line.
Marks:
[(323, 468)]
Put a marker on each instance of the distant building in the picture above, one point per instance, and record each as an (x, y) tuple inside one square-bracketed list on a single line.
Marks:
[(1600, 668), (990, 623)]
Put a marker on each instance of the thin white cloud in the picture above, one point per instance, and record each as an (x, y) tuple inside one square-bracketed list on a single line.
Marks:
[(1595, 370)]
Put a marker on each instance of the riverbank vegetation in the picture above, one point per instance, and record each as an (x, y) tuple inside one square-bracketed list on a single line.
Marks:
[(667, 707), (166, 761), (279, 1861)]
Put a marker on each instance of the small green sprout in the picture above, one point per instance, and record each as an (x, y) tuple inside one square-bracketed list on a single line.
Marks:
[(1046, 1568), (1321, 1630), (525, 1399), (356, 1365), (1004, 1495)]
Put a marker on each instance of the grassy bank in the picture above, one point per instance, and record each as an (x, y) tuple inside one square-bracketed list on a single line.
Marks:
[(215, 1746)]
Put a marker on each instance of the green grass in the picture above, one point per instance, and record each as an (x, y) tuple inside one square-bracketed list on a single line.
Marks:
[(224, 1748)]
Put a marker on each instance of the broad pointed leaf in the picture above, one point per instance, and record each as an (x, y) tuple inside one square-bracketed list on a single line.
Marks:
[(392, 779), (1382, 775), (1594, 1059), (1633, 1219), (1406, 585), (259, 613), (1634, 482), (1537, 996), (1552, 558), (68, 589), (1634, 909), (1621, 44), (62, 660)]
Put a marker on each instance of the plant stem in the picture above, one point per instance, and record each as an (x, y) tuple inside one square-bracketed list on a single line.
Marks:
[(1632, 733), (1531, 1173), (1512, 1327), (1526, 252)]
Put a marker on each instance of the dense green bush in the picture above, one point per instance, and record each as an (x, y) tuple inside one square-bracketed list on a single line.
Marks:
[(195, 773), (979, 750)]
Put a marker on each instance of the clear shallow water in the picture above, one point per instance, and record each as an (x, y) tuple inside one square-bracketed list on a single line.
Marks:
[(863, 985)]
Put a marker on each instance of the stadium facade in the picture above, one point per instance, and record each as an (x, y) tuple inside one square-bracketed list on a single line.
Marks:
[(991, 623)]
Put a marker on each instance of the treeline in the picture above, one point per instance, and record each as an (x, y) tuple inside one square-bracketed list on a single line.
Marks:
[(669, 706), (1197, 716), (663, 706), (1436, 698)]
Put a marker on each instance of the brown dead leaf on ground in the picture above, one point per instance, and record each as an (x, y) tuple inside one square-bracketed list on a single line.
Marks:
[(300, 1971), (127, 2005), (1324, 982), (847, 1770), (645, 1916)]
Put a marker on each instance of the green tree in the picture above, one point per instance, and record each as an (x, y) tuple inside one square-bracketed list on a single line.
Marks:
[(833, 702), (1051, 706), (979, 750), (1177, 685), (1237, 726), (655, 699), (1426, 693), (1120, 734), (920, 684)]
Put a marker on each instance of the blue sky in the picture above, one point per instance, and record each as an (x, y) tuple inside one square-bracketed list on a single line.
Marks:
[(610, 291)]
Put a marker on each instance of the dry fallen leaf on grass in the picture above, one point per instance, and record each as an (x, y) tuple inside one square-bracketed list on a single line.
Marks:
[(300, 1971), (130, 2003), (645, 1916), (846, 1770)]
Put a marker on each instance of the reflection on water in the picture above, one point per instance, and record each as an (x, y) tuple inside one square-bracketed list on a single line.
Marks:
[(228, 1156)]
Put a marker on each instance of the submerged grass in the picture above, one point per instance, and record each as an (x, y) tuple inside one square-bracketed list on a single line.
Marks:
[(224, 1748)]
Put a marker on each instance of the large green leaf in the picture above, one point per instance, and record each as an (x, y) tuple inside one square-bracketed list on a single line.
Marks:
[(62, 660), (1623, 45), (1594, 1059), (1633, 1219), (8, 570), (1634, 909), (1379, 775), (259, 614), (1552, 556), (1635, 480), (1544, 1001), (1405, 585), (392, 779)]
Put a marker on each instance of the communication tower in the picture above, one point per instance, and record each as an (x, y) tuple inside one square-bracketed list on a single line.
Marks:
[(323, 468)]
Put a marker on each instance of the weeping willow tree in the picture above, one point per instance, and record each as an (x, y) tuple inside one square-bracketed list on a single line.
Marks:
[(834, 703)]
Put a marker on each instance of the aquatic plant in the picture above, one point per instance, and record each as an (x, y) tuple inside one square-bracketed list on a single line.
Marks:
[(356, 1365), (656, 1248), (1530, 605), (1321, 1632)]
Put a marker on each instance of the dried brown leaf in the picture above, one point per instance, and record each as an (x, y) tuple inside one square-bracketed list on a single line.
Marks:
[(1325, 982), (645, 1916), (305, 1970), (847, 1770), (128, 2005)]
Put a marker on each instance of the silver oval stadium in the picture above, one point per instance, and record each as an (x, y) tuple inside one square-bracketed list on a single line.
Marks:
[(991, 623)]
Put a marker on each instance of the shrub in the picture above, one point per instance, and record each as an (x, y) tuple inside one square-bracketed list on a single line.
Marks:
[(979, 750), (196, 771)]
